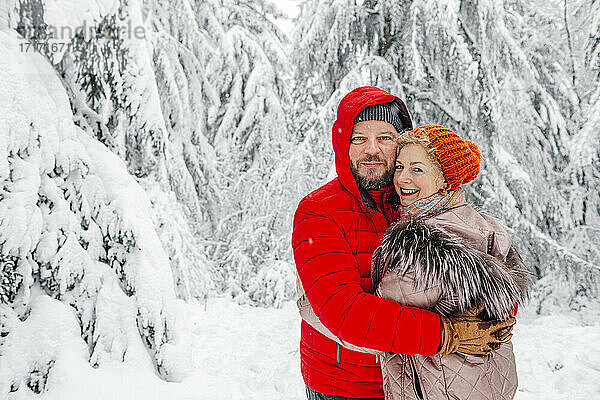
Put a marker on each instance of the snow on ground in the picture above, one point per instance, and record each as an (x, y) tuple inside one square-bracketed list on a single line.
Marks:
[(253, 353), (558, 356), (248, 353), (242, 352)]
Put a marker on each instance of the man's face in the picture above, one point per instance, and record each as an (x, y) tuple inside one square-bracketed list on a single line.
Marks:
[(373, 154)]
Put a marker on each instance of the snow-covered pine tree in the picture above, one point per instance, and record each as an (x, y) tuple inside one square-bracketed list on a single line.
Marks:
[(221, 71), (250, 147), (107, 72), (558, 39), (583, 179), (88, 277)]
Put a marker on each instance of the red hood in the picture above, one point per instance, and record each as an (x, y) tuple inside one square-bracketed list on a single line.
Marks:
[(349, 107)]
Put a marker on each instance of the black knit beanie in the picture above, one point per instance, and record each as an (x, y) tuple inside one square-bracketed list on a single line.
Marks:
[(386, 112)]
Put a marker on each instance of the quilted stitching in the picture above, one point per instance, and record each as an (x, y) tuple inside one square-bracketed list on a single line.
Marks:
[(456, 376)]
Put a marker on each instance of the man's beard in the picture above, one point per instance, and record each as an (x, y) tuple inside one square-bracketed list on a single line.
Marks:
[(367, 183)]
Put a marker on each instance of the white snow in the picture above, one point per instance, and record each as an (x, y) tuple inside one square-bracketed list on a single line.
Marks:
[(291, 9), (510, 165), (242, 352), (67, 17), (557, 356)]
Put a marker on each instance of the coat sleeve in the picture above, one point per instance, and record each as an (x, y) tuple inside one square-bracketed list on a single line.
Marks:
[(330, 276), (309, 316)]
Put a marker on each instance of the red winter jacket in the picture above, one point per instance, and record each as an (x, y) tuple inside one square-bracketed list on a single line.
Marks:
[(336, 229)]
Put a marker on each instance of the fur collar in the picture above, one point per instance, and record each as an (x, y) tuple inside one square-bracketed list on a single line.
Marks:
[(468, 277)]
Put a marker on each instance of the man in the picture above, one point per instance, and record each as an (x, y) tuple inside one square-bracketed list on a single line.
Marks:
[(336, 229)]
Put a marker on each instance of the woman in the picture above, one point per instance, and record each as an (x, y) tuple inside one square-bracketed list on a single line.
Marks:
[(445, 256)]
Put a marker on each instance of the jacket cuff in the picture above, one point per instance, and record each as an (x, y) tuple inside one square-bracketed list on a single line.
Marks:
[(431, 333)]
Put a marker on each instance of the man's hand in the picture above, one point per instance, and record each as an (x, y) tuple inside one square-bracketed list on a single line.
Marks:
[(466, 333)]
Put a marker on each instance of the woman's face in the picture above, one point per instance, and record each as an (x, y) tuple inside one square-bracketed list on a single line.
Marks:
[(416, 177)]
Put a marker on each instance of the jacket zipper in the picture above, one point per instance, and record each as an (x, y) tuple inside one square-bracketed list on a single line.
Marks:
[(416, 382), (382, 208), (337, 353)]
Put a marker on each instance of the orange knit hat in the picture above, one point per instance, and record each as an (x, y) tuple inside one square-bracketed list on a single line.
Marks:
[(458, 157)]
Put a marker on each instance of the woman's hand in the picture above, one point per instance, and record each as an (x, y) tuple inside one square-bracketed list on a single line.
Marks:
[(467, 333)]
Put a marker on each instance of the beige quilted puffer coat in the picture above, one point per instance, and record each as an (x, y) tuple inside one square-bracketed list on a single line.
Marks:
[(450, 263)]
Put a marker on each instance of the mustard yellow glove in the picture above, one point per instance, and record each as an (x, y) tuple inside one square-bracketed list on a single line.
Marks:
[(466, 333)]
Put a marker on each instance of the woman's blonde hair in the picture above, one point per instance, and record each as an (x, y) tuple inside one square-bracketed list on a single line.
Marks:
[(408, 137)]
